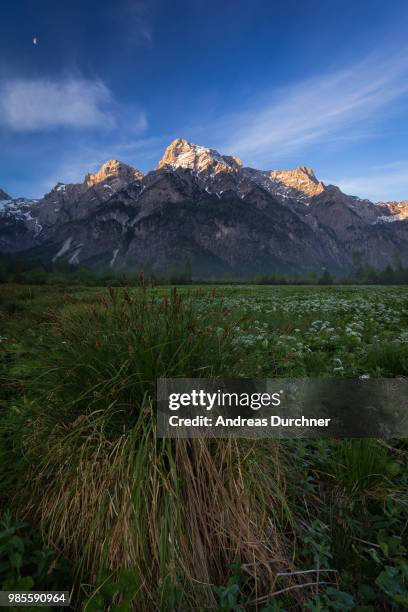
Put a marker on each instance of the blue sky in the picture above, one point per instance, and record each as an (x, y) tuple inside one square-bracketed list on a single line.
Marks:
[(322, 83)]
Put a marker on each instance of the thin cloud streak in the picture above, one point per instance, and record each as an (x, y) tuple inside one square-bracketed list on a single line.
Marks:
[(327, 108), (30, 105), (389, 182), (135, 19)]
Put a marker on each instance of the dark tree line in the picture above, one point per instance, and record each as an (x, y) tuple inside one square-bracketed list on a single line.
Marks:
[(15, 270)]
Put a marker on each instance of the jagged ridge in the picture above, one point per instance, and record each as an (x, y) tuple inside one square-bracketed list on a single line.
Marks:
[(208, 208)]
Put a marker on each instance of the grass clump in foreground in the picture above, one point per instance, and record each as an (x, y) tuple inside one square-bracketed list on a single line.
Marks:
[(148, 524), (90, 473)]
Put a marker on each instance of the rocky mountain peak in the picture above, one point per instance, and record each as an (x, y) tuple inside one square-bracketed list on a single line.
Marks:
[(114, 173), (183, 154), (302, 179), (4, 195), (307, 170), (246, 220), (398, 210)]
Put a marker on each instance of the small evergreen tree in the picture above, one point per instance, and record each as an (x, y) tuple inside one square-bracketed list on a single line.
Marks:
[(387, 277), (326, 278)]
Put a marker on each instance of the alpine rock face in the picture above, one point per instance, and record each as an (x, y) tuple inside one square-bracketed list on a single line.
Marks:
[(113, 175), (183, 154), (398, 210), (208, 209)]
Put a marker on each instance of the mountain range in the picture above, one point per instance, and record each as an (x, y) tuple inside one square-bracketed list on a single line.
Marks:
[(208, 209)]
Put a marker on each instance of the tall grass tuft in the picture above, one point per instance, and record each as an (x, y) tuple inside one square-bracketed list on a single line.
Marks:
[(93, 476), (359, 465)]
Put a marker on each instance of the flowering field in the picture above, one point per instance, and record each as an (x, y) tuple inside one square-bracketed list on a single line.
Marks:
[(307, 331)]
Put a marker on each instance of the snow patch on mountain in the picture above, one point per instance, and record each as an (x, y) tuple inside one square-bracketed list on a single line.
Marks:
[(19, 208), (64, 249)]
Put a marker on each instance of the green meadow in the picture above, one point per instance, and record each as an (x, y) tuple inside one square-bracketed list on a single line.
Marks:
[(92, 502)]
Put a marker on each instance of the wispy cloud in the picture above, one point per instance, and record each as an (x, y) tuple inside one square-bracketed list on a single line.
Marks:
[(43, 104), (345, 104), (139, 124), (136, 21), (385, 182)]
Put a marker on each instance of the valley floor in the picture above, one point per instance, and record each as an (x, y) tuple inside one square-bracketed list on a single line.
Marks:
[(91, 501)]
